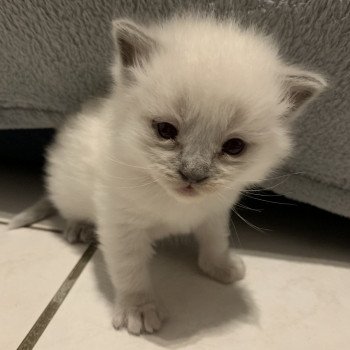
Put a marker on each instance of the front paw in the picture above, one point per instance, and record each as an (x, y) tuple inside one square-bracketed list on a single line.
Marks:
[(228, 270), (137, 319), (76, 232)]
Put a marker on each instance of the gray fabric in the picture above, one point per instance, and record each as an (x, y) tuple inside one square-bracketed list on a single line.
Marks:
[(305, 189), (54, 55)]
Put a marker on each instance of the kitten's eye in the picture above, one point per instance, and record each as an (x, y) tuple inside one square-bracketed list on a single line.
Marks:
[(166, 131), (233, 147)]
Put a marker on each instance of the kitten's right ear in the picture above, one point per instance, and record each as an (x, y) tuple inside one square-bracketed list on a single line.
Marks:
[(133, 42)]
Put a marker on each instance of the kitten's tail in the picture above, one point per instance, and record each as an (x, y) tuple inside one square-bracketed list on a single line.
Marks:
[(38, 211)]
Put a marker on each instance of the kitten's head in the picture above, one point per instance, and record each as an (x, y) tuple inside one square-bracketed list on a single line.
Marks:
[(207, 106)]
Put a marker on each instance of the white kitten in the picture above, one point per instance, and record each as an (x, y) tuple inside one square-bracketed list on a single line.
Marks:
[(201, 109)]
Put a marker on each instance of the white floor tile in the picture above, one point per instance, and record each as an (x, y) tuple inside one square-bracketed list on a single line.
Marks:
[(282, 304), (33, 265)]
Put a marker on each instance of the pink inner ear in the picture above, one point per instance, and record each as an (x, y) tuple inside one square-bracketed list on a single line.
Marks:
[(133, 43), (299, 97), (127, 52), (301, 87)]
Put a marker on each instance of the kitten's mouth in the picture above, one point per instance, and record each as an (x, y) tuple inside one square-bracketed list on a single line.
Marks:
[(188, 190)]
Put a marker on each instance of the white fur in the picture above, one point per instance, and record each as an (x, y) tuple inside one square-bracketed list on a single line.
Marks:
[(208, 78)]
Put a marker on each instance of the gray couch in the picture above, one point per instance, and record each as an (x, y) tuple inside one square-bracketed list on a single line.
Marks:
[(55, 54)]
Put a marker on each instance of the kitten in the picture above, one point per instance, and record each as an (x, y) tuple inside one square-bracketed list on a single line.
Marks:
[(201, 109)]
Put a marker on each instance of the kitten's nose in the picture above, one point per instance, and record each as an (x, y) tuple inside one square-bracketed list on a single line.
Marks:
[(192, 177)]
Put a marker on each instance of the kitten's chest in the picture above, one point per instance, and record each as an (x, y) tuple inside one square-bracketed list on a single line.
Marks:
[(176, 217)]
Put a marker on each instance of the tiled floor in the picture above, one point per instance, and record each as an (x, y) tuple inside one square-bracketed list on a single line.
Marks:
[(33, 265), (295, 295)]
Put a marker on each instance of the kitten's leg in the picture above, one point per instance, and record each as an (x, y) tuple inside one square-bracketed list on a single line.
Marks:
[(127, 252), (214, 254), (75, 232)]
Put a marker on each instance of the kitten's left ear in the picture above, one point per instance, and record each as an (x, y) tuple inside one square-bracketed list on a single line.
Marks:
[(133, 42), (301, 87)]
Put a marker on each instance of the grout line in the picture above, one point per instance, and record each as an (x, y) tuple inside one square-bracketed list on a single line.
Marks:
[(33, 227), (47, 315)]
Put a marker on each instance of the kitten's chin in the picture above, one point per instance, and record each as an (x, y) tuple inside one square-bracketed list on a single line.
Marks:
[(186, 194)]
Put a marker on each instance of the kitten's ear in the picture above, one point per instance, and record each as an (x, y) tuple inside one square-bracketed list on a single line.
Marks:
[(132, 41), (301, 87)]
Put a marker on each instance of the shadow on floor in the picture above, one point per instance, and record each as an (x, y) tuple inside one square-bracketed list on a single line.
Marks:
[(195, 304), (291, 230)]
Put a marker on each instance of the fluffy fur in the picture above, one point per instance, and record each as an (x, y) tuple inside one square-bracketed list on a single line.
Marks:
[(212, 80)]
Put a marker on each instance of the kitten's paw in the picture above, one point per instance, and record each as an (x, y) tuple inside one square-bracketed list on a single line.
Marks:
[(230, 270), (80, 232), (146, 318)]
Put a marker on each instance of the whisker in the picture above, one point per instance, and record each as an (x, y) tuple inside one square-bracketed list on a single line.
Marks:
[(245, 207), (236, 234), (251, 191), (265, 200), (285, 178), (117, 161), (127, 178), (282, 176), (228, 187), (278, 184), (256, 193), (234, 228), (248, 223), (145, 177), (138, 186)]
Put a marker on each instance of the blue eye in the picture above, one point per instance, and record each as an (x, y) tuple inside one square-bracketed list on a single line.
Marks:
[(233, 147), (166, 131)]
